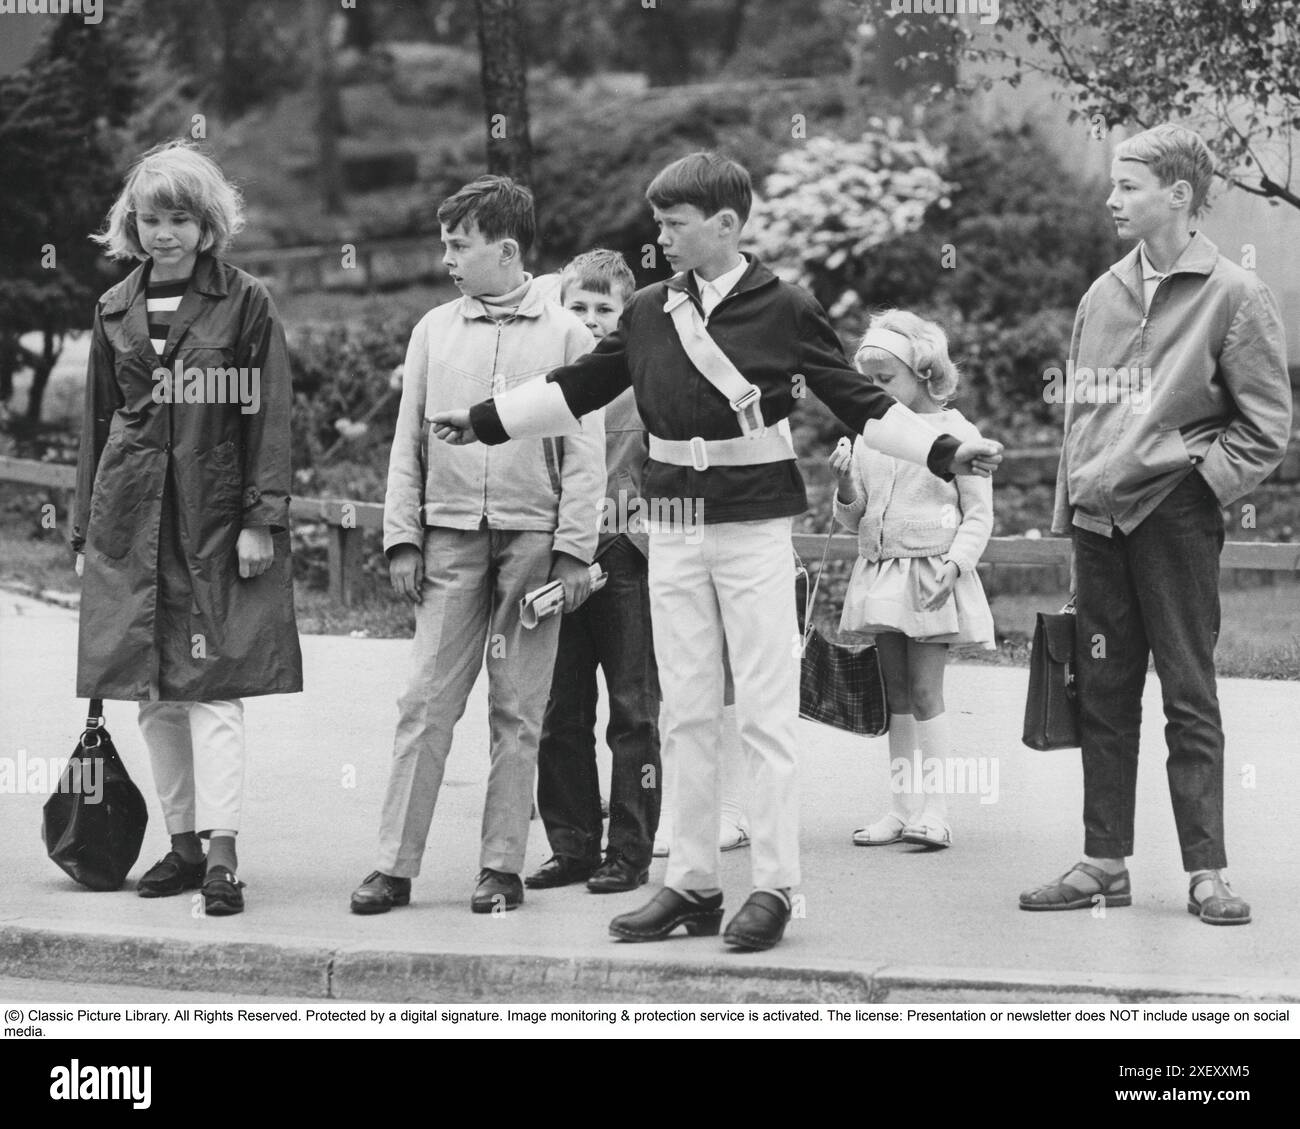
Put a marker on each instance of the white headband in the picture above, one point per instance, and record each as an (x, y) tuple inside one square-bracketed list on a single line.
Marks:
[(893, 343)]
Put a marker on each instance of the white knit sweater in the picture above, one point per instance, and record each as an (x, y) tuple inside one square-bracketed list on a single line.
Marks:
[(902, 510)]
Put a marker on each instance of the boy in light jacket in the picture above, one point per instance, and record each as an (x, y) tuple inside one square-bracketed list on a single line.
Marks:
[(469, 532), (1178, 404)]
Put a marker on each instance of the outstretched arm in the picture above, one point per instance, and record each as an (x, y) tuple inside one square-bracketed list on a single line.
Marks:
[(543, 407)]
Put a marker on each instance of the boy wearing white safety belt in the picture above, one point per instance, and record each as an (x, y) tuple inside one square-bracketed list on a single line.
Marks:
[(716, 356)]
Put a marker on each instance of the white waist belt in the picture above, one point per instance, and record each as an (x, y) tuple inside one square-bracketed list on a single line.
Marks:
[(772, 446)]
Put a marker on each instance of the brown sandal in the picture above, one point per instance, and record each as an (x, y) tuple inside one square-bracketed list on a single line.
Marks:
[(1113, 889)]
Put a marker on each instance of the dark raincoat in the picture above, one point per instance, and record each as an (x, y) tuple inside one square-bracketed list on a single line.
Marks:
[(164, 487)]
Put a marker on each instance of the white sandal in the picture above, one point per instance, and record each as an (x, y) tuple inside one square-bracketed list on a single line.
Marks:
[(928, 831), (887, 829)]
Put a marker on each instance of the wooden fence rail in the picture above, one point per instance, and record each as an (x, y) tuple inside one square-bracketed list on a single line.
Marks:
[(348, 520)]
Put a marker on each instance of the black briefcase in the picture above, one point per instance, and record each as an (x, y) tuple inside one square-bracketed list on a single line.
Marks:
[(1052, 707)]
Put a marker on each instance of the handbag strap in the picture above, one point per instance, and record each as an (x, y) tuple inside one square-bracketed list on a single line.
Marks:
[(95, 714), (811, 600)]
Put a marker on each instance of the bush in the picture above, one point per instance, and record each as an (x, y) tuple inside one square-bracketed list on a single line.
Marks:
[(829, 202), (345, 406)]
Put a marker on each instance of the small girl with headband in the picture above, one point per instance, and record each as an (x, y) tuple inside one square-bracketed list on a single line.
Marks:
[(914, 587)]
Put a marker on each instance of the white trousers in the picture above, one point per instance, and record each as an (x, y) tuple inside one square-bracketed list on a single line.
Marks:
[(732, 580), (197, 753)]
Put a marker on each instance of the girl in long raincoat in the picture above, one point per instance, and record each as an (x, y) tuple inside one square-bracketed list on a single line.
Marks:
[(182, 514)]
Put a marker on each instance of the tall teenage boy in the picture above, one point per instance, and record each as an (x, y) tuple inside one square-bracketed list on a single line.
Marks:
[(726, 460), (1194, 412), (468, 533)]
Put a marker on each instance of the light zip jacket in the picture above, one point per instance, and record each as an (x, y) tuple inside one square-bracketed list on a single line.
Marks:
[(459, 354), (1198, 381)]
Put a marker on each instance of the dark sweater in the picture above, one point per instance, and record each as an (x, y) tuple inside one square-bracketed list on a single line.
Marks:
[(777, 335)]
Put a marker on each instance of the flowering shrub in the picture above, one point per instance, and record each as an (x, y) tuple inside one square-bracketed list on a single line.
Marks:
[(829, 202)]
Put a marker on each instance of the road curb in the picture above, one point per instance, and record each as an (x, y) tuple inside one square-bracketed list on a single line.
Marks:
[(359, 974)]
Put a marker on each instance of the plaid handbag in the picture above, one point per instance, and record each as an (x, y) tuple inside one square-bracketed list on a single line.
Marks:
[(839, 685)]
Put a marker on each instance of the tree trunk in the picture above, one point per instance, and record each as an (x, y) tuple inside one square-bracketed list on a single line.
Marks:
[(505, 89), (41, 377), (667, 43), (329, 109)]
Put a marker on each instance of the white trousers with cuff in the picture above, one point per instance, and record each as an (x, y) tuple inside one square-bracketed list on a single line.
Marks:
[(197, 753), (732, 579)]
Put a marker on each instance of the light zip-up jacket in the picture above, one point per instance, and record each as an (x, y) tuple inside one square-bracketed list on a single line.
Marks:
[(1208, 362), (459, 354)]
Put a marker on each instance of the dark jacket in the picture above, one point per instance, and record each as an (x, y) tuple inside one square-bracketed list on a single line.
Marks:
[(779, 338), (164, 489)]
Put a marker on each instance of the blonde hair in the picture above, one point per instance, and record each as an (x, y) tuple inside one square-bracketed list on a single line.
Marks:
[(933, 367), (171, 177), (1173, 153)]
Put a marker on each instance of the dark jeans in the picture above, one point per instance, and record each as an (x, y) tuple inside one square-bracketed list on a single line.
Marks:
[(612, 631), (1154, 591)]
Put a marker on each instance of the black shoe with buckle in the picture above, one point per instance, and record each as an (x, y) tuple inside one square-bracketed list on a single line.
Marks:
[(171, 875), (222, 892), (559, 870), (379, 892), (760, 923), (665, 912), (616, 876), (497, 892)]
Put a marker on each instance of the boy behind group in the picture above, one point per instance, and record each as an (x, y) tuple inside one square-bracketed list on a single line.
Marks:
[(611, 631)]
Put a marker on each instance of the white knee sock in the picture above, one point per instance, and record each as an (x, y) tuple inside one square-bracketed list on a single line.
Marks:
[(935, 745), (903, 797)]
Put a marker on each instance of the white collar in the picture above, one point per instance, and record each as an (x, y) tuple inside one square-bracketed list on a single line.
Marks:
[(724, 283), (1148, 269)]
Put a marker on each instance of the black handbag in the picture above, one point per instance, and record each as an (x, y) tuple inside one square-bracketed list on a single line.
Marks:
[(839, 685), (93, 826), (1052, 706)]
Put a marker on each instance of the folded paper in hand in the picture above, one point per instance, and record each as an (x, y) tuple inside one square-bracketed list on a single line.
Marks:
[(549, 598)]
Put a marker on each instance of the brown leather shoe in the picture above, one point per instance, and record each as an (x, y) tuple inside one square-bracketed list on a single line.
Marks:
[(379, 892), (497, 892), (559, 870), (616, 876)]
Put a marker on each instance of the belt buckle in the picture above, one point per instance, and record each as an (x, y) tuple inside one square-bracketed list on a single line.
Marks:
[(699, 453), (747, 409)]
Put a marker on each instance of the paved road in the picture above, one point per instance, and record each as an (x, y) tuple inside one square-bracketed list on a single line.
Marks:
[(889, 922)]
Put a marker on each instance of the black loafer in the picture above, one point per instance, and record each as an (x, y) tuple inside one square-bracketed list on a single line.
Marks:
[(171, 875), (380, 892), (222, 893), (497, 892), (617, 876), (758, 924), (559, 870), (665, 912)]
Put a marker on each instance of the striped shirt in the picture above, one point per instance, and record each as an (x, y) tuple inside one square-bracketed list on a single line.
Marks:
[(161, 302)]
